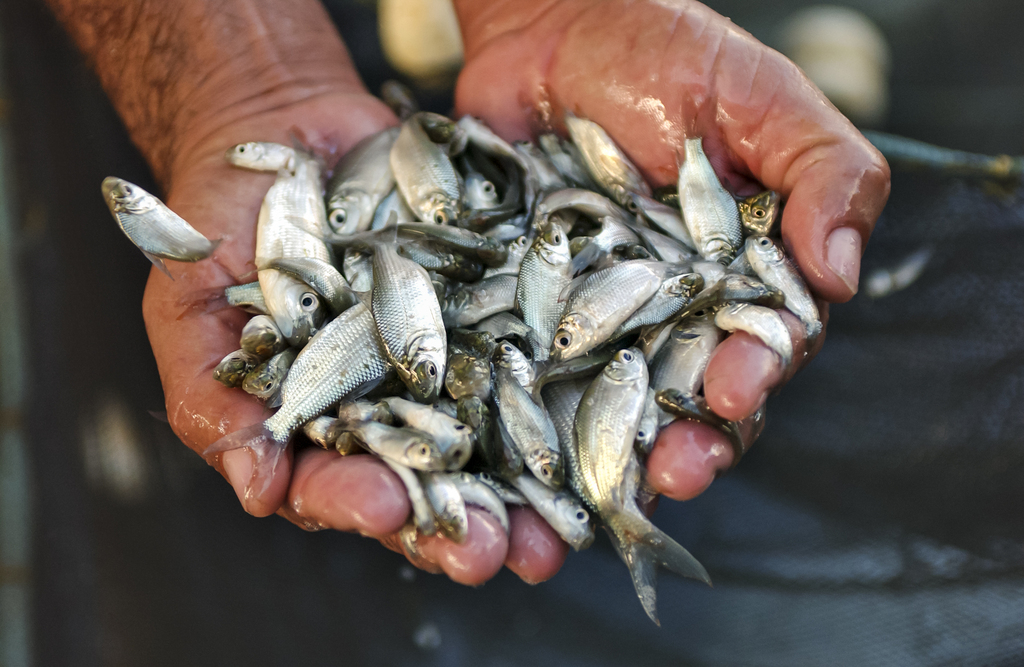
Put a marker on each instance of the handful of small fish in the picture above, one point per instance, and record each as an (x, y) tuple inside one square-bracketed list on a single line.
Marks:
[(498, 323)]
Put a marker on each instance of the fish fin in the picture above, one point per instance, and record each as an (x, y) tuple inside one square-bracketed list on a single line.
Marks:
[(266, 453), (589, 255), (214, 244), (642, 546), (158, 263), (567, 291), (274, 401)]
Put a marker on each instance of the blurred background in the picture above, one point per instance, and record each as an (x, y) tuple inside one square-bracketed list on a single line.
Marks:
[(880, 519)]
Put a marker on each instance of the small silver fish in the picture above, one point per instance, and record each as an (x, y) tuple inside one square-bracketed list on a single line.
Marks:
[(449, 506), (328, 283), (156, 230), (760, 322), (422, 510), (265, 381), (506, 325), (772, 266), (321, 432), (546, 271), (606, 426), (480, 193), (452, 436), (666, 218), (708, 209), (681, 361), (469, 304), (675, 294), (475, 492), (392, 203), (425, 175), (361, 179), (560, 509), (508, 493), (409, 322), (413, 449), (605, 161), (261, 156)]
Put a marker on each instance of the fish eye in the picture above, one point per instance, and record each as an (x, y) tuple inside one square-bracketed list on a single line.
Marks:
[(759, 213), (308, 301), (557, 239), (641, 434), (431, 370), (424, 450), (699, 313), (488, 187), (764, 242), (241, 149), (626, 356), (562, 340), (268, 386), (460, 427), (582, 516), (440, 217), (546, 470), (338, 216)]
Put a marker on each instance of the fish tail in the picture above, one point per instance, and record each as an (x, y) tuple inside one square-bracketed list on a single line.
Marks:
[(266, 453), (643, 546)]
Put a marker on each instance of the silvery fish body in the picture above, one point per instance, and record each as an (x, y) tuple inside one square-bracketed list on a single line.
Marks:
[(567, 160), (261, 156), (392, 203), (452, 436), (601, 303), (560, 509), (665, 218), (341, 358), (709, 210), (265, 381), (675, 294), (407, 446), (546, 271), (475, 492), (606, 426), (469, 304), (504, 325), (606, 163), (409, 322), (681, 361), (664, 247), (422, 510), (647, 431), (760, 322), (517, 249), (425, 175), (772, 266), (248, 297), (156, 230), (540, 167), (522, 369), (562, 399), (449, 506), (357, 267), (292, 224), (526, 423), (361, 179), (322, 276)]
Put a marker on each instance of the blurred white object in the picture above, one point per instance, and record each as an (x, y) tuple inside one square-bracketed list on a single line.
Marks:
[(421, 38), (845, 55), (884, 281)]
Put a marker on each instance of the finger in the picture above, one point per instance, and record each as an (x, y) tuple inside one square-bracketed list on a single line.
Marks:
[(742, 370), (350, 493), (478, 558), (686, 458), (535, 550)]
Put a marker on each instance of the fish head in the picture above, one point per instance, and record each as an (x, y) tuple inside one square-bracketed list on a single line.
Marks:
[(571, 339), (426, 368), (350, 213), (423, 454), (262, 382), (577, 519), (467, 376), (546, 464), (766, 249), (442, 210), (304, 312), (553, 246), (458, 453), (718, 249), (480, 193), (257, 155), (758, 213), (124, 196), (626, 366), (688, 284), (519, 246)]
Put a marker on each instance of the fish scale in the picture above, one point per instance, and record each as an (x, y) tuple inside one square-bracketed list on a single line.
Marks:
[(404, 304), (546, 271), (340, 358), (710, 212)]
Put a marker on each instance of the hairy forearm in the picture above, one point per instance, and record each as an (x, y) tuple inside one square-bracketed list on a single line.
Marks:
[(179, 70)]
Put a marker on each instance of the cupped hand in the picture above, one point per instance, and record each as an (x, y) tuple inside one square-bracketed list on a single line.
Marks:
[(653, 73), (313, 488)]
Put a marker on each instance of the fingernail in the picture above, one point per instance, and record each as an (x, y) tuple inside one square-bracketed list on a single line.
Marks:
[(843, 255), (238, 465)]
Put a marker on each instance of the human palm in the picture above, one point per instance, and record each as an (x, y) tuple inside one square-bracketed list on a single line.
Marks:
[(651, 76)]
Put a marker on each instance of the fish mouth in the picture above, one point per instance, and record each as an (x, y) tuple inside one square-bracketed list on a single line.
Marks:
[(110, 186)]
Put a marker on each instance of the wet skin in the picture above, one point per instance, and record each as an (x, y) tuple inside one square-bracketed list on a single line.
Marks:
[(650, 75)]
